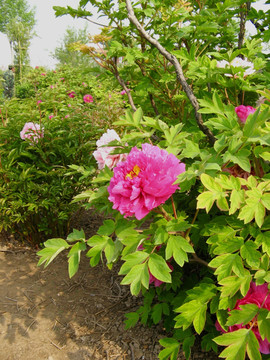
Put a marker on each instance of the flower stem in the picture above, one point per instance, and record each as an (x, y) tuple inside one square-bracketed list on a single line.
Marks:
[(173, 206)]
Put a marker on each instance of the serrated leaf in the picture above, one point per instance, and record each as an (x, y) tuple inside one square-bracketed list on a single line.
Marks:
[(243, 316), (249, 252), (192, 312), (178, 247), (239, 342), (171, 350), (131, 320), (107, 228)]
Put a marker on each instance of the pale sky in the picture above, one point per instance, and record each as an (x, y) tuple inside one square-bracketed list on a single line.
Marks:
[(50, 31)]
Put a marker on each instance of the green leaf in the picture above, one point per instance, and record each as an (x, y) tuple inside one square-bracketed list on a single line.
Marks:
[(226, 264), (132, 319), (137, 276), (263, 239), (76, 235), (249, 252), (252, 209), (53, 247), (107, 228), (239, 342), (74, 257), (264, 323), (192, 312), (131, 260), (206, 201), (171, 350), (237, 198), (178, 247), (243, 316), (159, 268)]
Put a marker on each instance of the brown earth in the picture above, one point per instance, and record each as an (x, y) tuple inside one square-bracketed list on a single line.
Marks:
[(44, 315)]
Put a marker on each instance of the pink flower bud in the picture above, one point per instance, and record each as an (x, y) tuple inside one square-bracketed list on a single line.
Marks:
[(243, 111)]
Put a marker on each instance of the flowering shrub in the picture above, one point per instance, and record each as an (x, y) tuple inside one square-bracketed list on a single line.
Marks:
[(193, 192)]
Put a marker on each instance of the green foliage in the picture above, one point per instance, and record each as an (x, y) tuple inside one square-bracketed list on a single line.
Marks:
[(194, 257)]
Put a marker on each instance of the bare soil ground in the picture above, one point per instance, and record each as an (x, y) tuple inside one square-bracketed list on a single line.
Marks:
[(46, 316)]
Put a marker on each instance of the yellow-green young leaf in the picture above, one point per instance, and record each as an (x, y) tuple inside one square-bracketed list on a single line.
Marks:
[(206, 200), (210, 183), (222, 203), (237, 198), (159, 268), (266, 201), (239, 343), (137, 116), (263, 239), (249, 252), (192, 312), (252, 209)]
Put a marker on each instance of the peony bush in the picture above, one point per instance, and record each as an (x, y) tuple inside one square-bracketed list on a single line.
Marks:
[(185, 183)]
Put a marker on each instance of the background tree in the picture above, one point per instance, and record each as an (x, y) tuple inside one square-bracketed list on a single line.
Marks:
[(17, 21), (19, 35), (67, 52)]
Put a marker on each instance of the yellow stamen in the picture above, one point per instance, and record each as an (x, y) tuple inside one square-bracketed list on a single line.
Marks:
[(134, 172)]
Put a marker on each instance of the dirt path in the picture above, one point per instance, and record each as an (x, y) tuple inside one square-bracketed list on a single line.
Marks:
[(46, 316)]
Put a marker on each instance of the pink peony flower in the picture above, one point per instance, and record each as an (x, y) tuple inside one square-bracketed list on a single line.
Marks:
[(71, 94), (102, 154), (43, 74), (50, 117), (258, 295), (84, 84), (32, 132), (69, 105), (88, 98), (39, 102), (36, 67), (243, 111), (144, 181)]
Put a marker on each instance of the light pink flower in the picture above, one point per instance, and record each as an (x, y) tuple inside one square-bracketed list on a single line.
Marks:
[(66, 116), (32, 132), (103, 154), (88, 98), (144, 181), (243, 111), (258, 295), (84, 84), (36, 67), (123, 92), (71, 94)]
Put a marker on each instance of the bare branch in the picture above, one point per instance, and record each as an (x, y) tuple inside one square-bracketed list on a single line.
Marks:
[(178, 69)]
